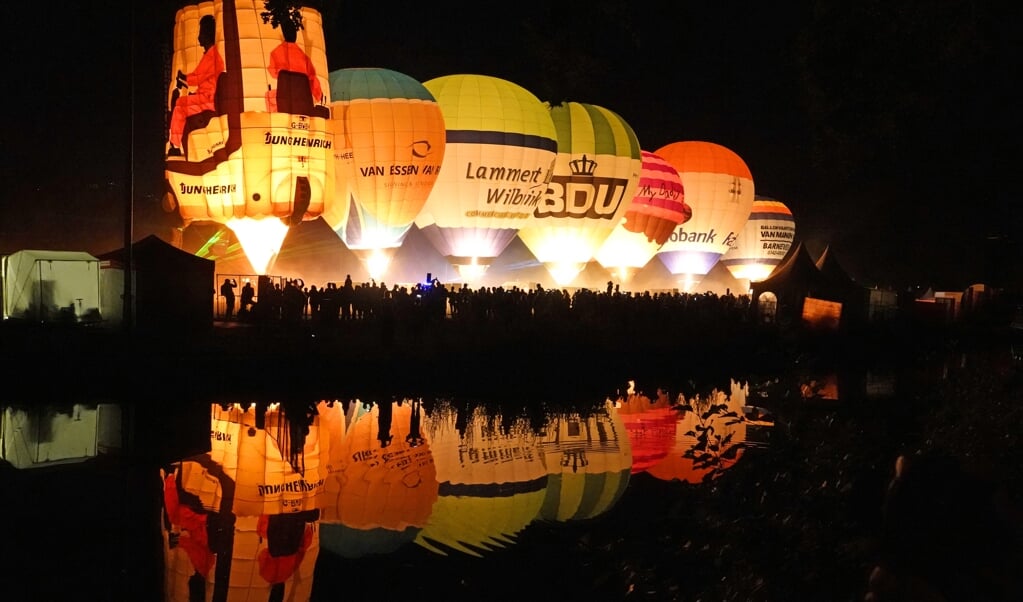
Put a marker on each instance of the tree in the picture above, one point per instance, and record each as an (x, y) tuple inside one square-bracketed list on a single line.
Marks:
[(280, 11)]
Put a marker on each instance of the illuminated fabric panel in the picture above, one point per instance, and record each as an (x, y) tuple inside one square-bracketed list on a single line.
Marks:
[(595, 177), (386, 493), (656, 209), (588, 462), (821, 314), (650, 426), (499, 154), (260, 464), (249, 131), (215, 554), (719, 189), (708, 461), (763, 242), (389, 138), (492, 482)]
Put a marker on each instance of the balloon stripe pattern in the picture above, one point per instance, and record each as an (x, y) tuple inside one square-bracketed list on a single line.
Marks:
[(763, 243), (595, 177), (657, 208)]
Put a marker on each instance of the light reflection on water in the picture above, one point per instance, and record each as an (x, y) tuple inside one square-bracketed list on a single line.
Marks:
[(355, 480), (455, 482)]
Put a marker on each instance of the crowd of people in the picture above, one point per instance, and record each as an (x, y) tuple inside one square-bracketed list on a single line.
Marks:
[(291, 301)]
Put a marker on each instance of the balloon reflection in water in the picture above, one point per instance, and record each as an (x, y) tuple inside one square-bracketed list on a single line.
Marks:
[(492, 480), (650, 426), (240, 520), (384, 483), (588, 462), (709, 437)]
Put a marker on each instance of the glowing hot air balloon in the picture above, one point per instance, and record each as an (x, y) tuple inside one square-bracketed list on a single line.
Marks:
[(388, 483), (492, 482), (388, 147), (762, 243), (719, 188), (501, 146), (709, 438), (657, 208), (239, 522), (588, 462), (250, 144), (594, 181), (651, 428)]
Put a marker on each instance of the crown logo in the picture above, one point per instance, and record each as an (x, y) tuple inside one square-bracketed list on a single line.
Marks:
[(582, 167)]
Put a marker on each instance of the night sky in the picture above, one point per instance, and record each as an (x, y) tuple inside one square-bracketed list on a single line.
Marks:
[(890, 128)]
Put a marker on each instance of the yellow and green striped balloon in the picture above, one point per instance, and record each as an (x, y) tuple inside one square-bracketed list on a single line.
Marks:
[(595, 178)]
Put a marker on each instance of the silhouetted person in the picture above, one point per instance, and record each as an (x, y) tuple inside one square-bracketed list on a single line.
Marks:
[(248, 299), (227, 292), (347, 297)]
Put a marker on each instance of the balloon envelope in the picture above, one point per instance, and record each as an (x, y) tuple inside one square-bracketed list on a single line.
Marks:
[(595, 176), (588, 461), (385, 493), (656, 209), (715, 441), (492, 482), (719, 188), (249, 135), (389, 140), (501, 146), (763, 242), (651, 429)]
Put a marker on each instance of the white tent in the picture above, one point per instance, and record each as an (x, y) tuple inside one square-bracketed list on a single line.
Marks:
[(51, 286), (48, 435)]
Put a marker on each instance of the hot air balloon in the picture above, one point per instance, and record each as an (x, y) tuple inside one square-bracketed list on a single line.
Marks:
[(501, 146), (762, 243), (588, 460), (239, 522), (709, 438), (650, 425), (657, 208), (594, 181), (250, 143), (387, 483), (492, 481), (389, 141), (719, 188)]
